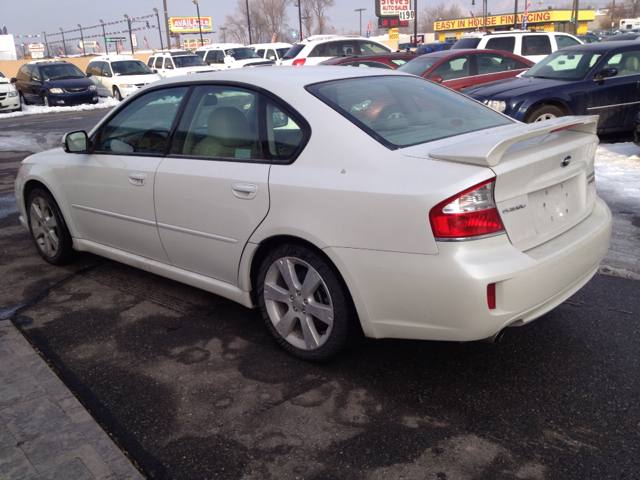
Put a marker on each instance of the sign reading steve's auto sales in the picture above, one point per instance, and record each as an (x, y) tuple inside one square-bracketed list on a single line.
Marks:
[(387, 8), (189, 24)]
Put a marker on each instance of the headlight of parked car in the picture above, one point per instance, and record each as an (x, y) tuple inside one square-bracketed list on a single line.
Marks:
[(56, 90), (126, 85), (92, 87), (498, 105), (13, 93)]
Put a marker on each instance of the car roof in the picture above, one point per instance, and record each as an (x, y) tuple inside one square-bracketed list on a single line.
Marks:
[(461, 51), (114, 58), (604, 46), (270, 45)]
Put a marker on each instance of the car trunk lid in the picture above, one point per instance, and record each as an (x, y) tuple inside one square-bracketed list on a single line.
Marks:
[(545, 181)]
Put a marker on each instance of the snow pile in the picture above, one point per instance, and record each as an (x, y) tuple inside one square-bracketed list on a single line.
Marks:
[(107, 102), (618, 170)]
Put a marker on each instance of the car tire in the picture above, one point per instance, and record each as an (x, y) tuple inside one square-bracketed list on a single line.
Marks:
[(544, 112), (311, 317), (45, 100), (23, 101), (48, 228), (116, 94)]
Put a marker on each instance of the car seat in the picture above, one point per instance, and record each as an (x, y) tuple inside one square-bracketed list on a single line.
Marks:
[(485, 66), (230, 136)]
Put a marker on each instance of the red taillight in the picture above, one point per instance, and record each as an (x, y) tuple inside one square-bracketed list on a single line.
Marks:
[(471, 213), (299, 62), (491, 296)]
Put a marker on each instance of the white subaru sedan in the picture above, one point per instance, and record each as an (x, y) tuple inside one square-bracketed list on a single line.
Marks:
[(336, 201)]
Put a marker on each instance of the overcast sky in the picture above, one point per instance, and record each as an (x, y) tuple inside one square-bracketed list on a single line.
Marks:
[(28, 17)]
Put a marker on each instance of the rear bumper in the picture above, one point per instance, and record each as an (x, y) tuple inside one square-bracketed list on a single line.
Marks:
[(444, 296)]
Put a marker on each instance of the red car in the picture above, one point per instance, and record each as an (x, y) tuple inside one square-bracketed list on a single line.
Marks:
[(458, 69), (388, 60)]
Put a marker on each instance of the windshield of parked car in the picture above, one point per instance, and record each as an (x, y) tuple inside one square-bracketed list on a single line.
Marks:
[(293, 52), (400, 111), (189, 61), (60, 72), (563, 65), (419, 65), (242, 53), (130, 67), (2, 75)]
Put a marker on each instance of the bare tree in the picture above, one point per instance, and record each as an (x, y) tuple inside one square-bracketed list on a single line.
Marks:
[(308, 17), (267, 17), (431, 14), (622, 10), (319, 7), (272, 15)]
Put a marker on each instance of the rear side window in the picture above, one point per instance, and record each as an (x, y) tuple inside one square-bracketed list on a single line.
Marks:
[(536, 45), (504, 44), (466, 43), (565, 41), (336, 49), (317, 51), (494, 63), (400, 111), (370, 47)]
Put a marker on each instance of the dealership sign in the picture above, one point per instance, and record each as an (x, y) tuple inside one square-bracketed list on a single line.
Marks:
[(391, 8), (189, 24)]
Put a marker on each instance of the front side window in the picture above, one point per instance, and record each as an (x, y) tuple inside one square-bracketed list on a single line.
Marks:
[(271, 53), (398, 61), (35, 74), (168, 63), (242, 53), (106, 70), (371, 47), (504, 44), (401, 111), (220, 122), (536, 45), (130, 67), (159, 62), (185, 61), (143, 126), (457, 67), (627, 63), (150, 62), (564, 66), (566, 41)]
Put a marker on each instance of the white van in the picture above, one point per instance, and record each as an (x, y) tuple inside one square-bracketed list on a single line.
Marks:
[(271, 51), (230, 55), (526, 43), (119, 76)]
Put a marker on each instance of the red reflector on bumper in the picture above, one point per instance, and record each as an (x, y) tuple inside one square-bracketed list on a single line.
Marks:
[(491, 296)]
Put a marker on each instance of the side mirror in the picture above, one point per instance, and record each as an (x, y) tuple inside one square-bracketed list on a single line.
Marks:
[(155, 70), (435, 78), (75, 142), (605, 73), (13, 80), (107, 74), (88, 75), (272, 57)]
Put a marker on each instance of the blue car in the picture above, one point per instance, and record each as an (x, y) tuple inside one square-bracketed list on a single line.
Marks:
[(54, 83), (433, 47), (592, 79)]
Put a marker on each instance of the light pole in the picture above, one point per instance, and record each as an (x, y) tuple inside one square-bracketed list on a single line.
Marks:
[(613, 7), (46, 43), (249, 23), (360, 10), (159, 29), (299, 5), (166, 24), (104, 37), (199, 25), (415, 22), (224, 34), (515, 15), (84, 52), (130, 37), (64, 44)]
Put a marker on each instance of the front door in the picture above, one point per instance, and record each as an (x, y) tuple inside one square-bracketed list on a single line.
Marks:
[(110, 190)]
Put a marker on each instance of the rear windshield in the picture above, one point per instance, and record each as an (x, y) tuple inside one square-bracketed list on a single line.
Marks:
[(400, 111), (466, 43), (189, 61), (293, 52), (419, 65)]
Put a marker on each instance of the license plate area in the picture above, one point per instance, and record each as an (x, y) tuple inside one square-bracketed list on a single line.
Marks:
[(557, 206)]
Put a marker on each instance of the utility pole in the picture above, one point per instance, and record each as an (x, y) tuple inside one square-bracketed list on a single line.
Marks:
[(159, 29), (224, 34), (166, 23), (249, 23), (46, 43), (356, 10), (613, 8), (515, 16), (130, 37), (299, 5), (415, 22), (64, 44), (575, 22), (199, 25), (84, 52)]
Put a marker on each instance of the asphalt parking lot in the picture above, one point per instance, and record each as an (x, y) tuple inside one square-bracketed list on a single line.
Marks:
[(192, 386)]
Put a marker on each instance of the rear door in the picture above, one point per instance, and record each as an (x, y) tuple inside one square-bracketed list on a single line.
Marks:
[(456, 72)]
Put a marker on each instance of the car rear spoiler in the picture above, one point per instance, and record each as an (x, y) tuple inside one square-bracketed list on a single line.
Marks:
[(487, 150)]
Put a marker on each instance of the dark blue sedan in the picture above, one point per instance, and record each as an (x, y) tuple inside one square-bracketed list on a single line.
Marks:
[(594, 79)]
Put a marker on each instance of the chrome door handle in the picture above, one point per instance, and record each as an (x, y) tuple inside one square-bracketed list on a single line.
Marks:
[(245, 191), (137, 178)]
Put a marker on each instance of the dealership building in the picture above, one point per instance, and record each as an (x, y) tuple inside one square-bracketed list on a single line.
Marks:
[(545, 20)]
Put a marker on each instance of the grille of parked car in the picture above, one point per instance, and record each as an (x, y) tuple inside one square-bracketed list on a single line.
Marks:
[(76, 89), (3, 96)]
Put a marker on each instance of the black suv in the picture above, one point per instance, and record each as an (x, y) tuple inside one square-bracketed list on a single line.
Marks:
[(54, 83)]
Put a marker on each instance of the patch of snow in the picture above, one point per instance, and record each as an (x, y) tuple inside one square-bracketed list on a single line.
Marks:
[(103, 102)]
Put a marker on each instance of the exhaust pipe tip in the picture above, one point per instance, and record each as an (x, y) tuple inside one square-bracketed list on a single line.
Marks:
[(497, 338)]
